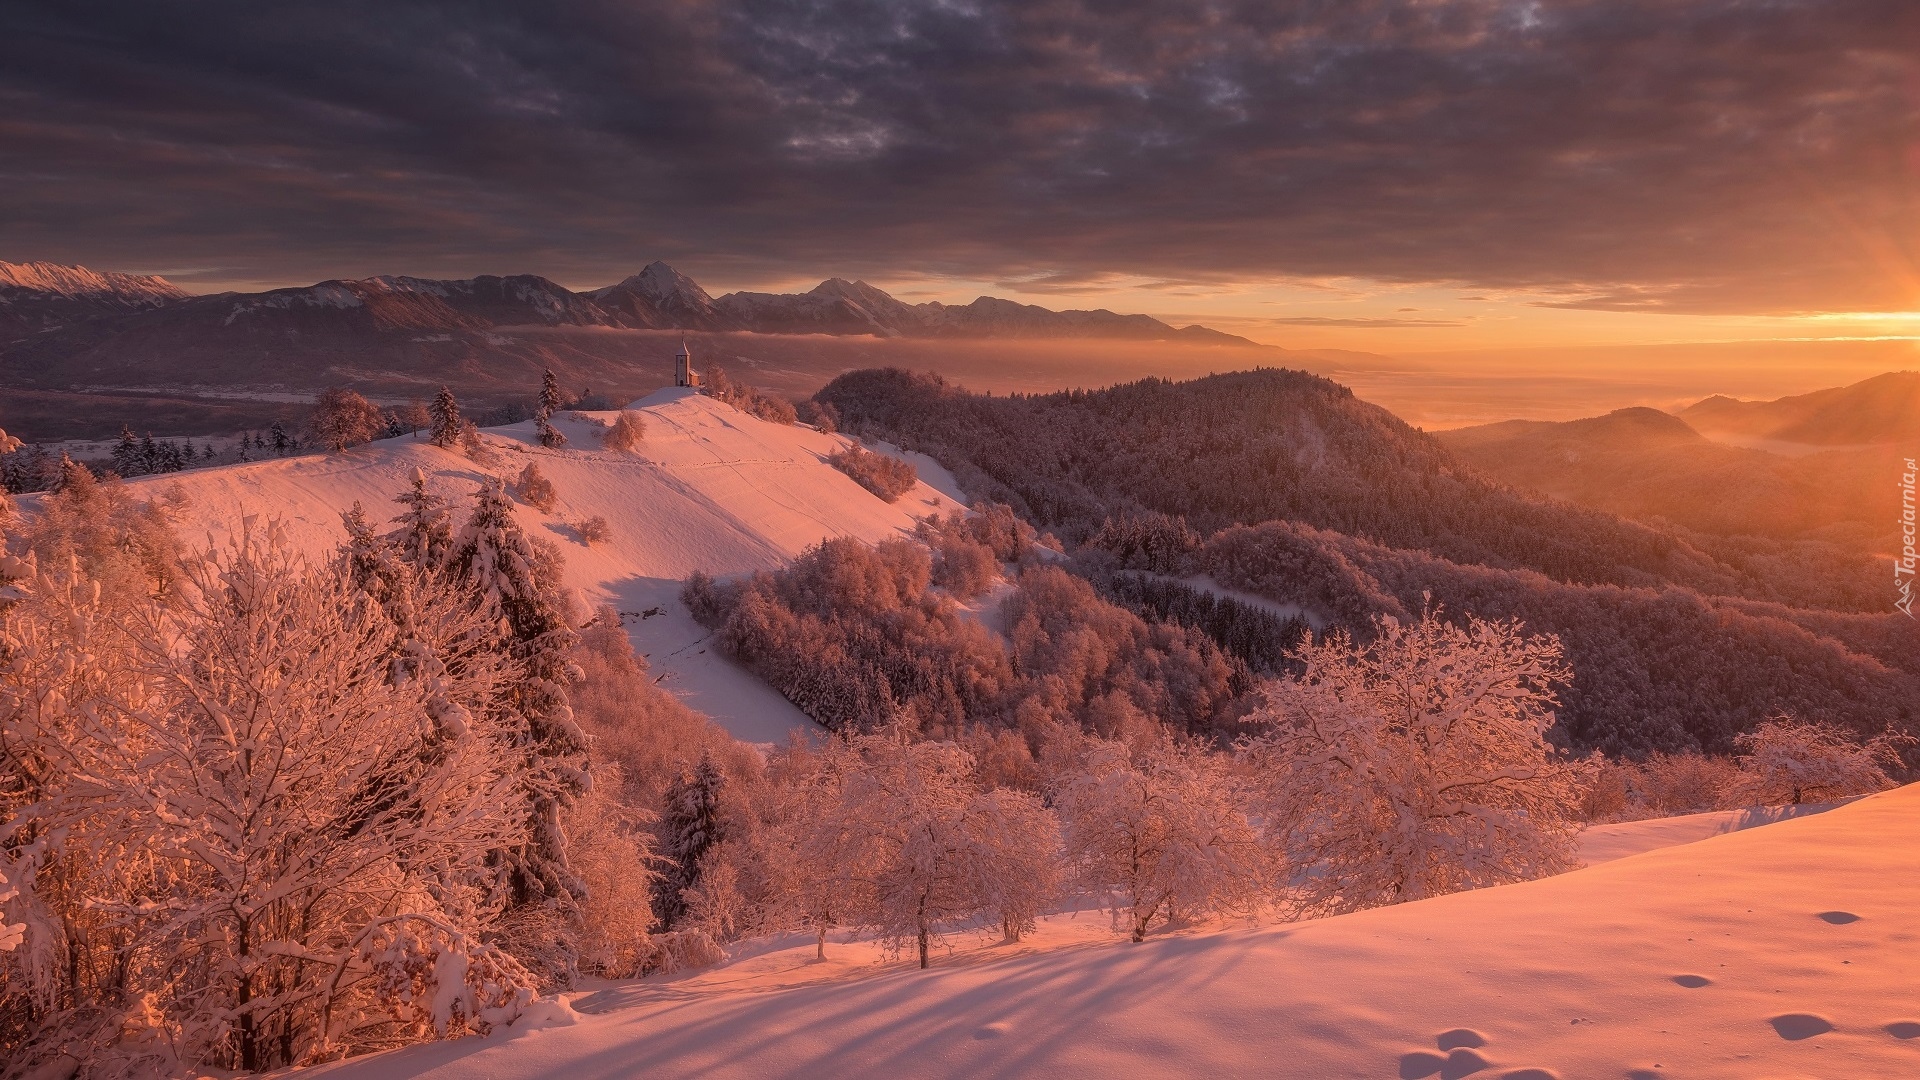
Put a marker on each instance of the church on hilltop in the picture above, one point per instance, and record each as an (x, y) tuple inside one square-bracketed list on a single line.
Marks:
[(683, 373)]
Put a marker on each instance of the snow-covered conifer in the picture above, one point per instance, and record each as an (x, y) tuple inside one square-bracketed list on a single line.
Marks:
[(690, 825), (126, 454), (518, 580), (1417, 764), (425, 533), (446, 420), (550, 437)]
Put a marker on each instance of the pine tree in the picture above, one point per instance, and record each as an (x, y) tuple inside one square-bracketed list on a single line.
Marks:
[(689, 828), (518, 579), (425, 535), (277, 437), (126, 454), (551, 400), (446, 422)]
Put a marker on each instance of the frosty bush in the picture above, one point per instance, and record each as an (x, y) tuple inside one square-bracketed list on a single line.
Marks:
[(1790, 761), (594, 530), (887, 477), (1417, 764), (536, 490), (629, 430)]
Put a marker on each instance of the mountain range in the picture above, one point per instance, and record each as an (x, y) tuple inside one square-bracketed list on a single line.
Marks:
[(40, 298), (1654, 466), (1883, 409)]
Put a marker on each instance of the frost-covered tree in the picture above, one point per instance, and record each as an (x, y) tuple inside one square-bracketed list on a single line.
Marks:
[(413, 417), (242, 837), (447, 423), (126, 454), (629, 430), (1162, 832), (342, 418), (1015, 844), (1417, 764), (690, 825), (895, 836), (518, 581), (425, 533), (551, 401), (1791, 761), (550, 437)]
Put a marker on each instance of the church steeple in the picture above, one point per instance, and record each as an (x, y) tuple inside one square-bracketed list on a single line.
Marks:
[(683, 373)]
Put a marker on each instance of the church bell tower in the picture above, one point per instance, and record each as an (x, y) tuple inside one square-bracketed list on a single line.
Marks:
[(683, 373)]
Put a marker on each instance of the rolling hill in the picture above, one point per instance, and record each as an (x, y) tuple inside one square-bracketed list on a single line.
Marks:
[(712, 489)]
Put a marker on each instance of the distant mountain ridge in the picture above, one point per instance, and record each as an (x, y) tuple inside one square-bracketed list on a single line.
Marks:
[(39, 296), (1885, 408), (657, 298)]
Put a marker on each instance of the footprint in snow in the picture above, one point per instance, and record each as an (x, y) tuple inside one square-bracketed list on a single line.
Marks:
[(1421, 1064), (1794, 1027), (1838, 918), (1458, 1037), (1903, 1029), (1693, 982)]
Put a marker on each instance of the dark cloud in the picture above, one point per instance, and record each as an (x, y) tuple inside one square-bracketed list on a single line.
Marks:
[(1735, 155)]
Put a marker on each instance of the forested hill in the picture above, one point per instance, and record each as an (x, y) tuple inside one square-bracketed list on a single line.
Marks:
[(1271, 444)]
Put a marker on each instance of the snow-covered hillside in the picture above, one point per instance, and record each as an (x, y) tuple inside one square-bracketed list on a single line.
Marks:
[(1785, 951), (712, 489)]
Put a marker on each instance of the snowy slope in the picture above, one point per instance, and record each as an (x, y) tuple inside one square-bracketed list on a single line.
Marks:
[(1777, 952), (1605, 843), (712, 489)]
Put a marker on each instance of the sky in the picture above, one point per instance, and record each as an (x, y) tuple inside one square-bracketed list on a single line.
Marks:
[(1396, 176)]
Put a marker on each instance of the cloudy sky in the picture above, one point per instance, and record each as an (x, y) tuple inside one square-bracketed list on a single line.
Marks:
[(1427, 174)]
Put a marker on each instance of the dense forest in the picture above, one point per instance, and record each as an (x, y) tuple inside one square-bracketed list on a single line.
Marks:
[(1282, 484), (1266, 445)]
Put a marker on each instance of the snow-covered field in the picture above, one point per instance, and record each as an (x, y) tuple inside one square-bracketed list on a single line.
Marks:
[(712, 489), (1785, 951)]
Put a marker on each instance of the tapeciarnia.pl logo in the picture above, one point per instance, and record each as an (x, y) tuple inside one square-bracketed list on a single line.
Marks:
[(1903, 564)]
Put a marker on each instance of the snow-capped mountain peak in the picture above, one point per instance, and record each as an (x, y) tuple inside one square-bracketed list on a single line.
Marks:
[(80, 283)]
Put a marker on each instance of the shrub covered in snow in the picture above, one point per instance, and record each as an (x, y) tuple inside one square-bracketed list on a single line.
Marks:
[(887, 477), (536, 490), (628, 432)]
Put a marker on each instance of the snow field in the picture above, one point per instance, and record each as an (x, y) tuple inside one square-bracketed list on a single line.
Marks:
[(1777, 952)]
